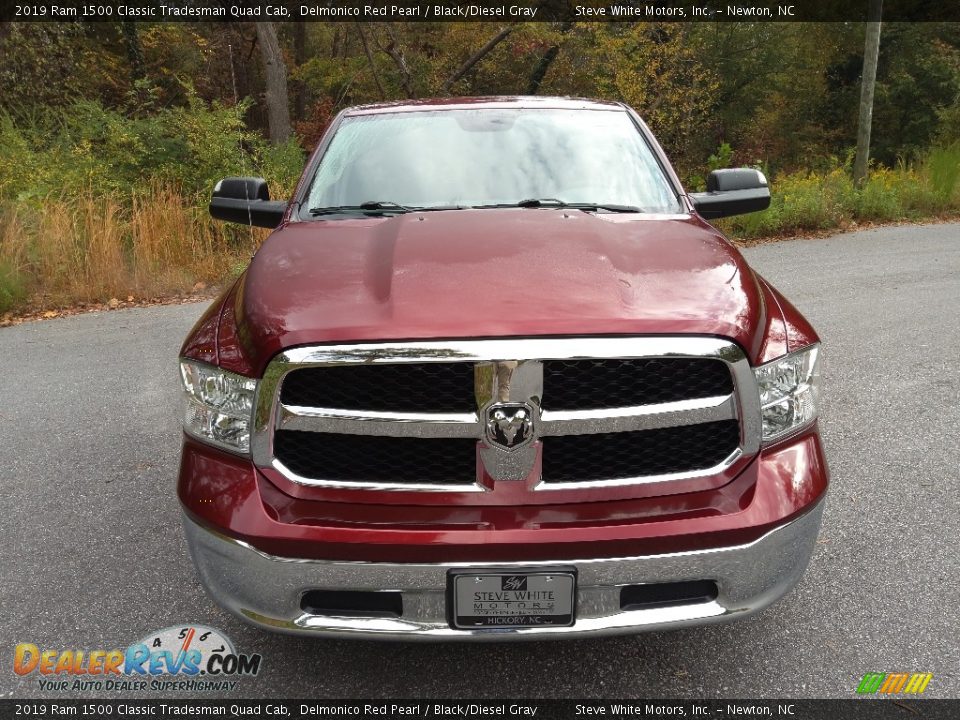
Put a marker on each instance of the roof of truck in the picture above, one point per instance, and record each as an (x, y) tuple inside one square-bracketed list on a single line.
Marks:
[(500, 102)]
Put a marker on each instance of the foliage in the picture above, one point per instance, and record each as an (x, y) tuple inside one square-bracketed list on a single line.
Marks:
[(91, 248), (87, 147), (96, 203), (805, 201), (942, 165), (42, 64), (12, 290), (722, 158), (656, 70)]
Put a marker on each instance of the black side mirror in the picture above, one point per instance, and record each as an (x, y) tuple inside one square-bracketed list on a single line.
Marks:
[(246, 200), (734, 191)]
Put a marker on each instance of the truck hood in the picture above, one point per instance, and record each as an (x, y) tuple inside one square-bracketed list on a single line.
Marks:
[(484, 273)]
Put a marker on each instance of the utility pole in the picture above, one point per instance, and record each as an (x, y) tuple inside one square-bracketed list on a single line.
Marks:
[(871, 52)]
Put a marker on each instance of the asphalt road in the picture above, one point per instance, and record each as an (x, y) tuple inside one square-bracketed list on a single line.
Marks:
[(93, 555)]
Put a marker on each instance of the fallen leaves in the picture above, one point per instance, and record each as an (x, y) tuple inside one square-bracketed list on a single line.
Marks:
[(41, 313)]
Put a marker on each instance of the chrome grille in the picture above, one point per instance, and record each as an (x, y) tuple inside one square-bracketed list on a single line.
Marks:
[(579, 384), (421, 416)]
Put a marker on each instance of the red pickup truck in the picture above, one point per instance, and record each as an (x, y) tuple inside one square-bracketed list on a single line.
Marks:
[(495, 376)]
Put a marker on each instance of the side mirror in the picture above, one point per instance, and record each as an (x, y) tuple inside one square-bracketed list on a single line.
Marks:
[(246, 200), (732, 192)]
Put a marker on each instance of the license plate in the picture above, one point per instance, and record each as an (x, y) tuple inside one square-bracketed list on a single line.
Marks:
[(492, 599)]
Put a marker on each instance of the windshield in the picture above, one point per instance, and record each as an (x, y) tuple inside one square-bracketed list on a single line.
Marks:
[(490, 157)]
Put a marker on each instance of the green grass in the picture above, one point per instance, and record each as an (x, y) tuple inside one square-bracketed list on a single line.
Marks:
[(809, 201), (942, 166)]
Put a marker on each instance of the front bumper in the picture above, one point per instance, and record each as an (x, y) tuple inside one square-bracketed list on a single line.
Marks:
[(266, 590)]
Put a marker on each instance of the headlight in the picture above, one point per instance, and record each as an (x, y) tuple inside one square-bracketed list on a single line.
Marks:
[(788, 391), (219, 405)]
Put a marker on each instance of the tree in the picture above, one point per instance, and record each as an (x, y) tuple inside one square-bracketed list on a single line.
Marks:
[(871, 52), (546, 60), (275, 74), (370, 61), (299, 58), (656, 70), (134, 50), (475, 58)]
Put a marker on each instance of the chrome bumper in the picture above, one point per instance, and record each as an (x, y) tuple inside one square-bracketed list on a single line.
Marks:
[(266, 591)]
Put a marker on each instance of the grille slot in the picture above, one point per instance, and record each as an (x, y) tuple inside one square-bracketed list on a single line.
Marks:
[(602, 383), (401, 387), (615, 456), (654, 595), (368, 459)]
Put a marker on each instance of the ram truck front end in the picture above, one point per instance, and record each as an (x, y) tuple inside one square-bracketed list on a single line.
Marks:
[(494, 376)]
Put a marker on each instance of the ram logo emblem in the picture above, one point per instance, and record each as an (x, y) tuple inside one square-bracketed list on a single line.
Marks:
[(509, 425)]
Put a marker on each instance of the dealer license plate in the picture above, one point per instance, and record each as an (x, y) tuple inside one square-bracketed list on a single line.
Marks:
[(492, 599)]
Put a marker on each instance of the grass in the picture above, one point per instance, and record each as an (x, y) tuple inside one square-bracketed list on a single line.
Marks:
[(806, 201), (60, 252), (98, 204)]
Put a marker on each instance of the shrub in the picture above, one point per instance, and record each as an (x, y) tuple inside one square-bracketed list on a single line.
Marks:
[(818, 201), (93, 248), (942, 166), (879, 198), (13, 292), (88, 148)]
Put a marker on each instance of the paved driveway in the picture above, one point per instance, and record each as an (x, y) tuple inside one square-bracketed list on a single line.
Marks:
[(93, 555)]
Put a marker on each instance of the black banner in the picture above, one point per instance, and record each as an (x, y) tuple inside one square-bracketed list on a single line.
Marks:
[(482, 10), (855, 709)]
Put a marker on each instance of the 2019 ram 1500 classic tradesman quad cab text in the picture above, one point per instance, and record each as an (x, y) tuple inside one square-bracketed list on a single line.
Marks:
[(494, 376)]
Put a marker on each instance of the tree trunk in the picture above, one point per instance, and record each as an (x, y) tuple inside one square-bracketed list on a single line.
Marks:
[(134, 50), (275, 73), (395, 52), (299, 58), (475, 58), (370, 62), (871, 52), (540, 71)]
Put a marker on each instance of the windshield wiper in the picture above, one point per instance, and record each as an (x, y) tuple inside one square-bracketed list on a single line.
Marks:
[(439, 208), (555, 203), (372, 207)]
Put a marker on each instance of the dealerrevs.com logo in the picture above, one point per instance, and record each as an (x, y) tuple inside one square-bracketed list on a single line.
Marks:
[(184, 657)]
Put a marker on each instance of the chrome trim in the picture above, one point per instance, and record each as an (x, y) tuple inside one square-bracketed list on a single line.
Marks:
[(512, 349), (265, 590), (506, 370), (349, 422), (375, 486), (643, 417)]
